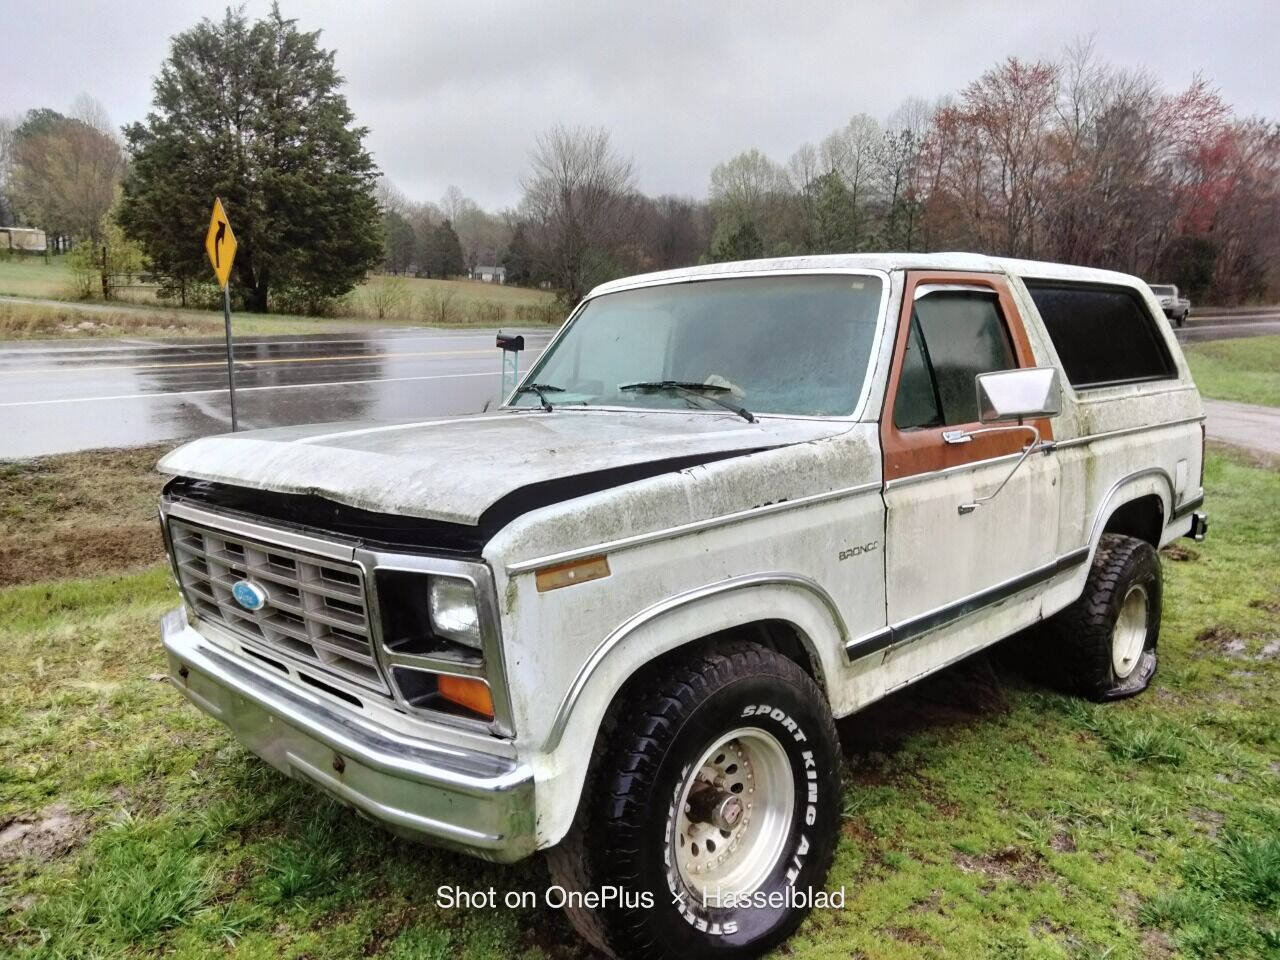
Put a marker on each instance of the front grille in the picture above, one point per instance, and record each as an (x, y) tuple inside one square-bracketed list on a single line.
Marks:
[(314, 613)]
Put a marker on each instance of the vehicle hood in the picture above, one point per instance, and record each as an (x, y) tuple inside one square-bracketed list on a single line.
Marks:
[(455, 469)]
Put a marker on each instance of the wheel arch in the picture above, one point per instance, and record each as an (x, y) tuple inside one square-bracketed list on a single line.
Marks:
[(1141, 517), (789, 613), (1138, 504)]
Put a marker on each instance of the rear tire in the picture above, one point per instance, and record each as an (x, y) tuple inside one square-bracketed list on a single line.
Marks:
[(1105, 642), (724, 768)]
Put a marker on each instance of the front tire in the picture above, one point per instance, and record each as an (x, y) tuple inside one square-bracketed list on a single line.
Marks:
[(718, 783), (1106, 640)]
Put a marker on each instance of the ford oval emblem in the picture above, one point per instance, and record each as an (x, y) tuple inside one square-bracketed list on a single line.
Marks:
[(249, 595)]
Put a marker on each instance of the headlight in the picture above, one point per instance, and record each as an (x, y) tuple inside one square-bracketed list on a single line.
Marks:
[(455, 614)]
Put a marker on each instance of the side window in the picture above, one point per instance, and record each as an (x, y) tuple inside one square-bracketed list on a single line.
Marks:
[(955, 335), (1103, 335), (917, 404)]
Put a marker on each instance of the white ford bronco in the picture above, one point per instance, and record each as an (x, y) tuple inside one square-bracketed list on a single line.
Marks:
[(616, 618)]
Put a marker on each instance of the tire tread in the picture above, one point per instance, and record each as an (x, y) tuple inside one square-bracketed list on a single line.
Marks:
[(629, 751), (1080, 634)]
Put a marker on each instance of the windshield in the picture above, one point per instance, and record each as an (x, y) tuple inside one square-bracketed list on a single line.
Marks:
[(1163, 291), (795, 345)]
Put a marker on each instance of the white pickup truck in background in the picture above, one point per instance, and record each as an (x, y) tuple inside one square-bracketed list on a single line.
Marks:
[(1175, 306), (616, 618)]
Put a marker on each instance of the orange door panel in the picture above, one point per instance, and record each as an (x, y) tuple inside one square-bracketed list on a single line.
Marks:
[(922, 450)]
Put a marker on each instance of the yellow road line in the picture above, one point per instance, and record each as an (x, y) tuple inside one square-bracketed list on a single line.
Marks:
[(256, 363)]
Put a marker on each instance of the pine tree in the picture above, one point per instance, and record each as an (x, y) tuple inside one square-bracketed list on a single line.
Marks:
[(518, 260), (835, 216), (736, 238), (448, 251), (252, 112), (398, 242)]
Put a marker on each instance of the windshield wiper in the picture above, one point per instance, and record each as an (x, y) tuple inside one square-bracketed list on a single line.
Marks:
[(541, 389), (703, 391)]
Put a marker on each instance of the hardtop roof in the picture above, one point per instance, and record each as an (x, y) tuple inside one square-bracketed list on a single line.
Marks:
[(885, 262)]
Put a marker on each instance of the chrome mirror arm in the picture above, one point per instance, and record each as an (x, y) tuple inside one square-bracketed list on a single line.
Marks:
[(965, 436)]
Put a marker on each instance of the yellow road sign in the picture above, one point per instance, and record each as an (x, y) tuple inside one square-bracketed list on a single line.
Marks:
[(220, 242)]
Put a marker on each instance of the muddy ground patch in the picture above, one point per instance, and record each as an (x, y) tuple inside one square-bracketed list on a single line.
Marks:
[(42, 836), (79, 514)]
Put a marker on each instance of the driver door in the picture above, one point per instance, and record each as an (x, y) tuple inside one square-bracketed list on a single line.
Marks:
[(947, 569)]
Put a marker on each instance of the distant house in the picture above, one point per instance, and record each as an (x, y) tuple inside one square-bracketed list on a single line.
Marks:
[(489, 274), (22, 239)]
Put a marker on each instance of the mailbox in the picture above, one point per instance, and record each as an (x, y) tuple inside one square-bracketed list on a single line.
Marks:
[(508, 342)]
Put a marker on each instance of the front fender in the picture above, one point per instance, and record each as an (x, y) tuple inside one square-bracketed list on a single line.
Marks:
[(661, 628)]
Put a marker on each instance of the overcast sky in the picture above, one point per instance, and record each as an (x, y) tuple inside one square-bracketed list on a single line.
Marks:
[(453, 93)]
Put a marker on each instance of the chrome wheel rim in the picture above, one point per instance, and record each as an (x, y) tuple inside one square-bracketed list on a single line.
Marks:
[(1129, 636), (733, 815)]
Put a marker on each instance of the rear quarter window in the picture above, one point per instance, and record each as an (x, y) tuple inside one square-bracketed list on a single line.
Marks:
[(1103, 334)]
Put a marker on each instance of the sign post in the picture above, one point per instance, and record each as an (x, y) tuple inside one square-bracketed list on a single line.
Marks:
[(220, 244)]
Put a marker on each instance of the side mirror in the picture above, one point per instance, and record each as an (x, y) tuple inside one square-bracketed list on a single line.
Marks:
[(1011, 395), (1018, 394)]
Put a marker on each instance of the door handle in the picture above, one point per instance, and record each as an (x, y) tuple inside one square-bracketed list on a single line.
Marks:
[(965, 436)]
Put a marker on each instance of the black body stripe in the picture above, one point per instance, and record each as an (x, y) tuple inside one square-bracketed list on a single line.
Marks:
[(1187, 507), (934, 619)]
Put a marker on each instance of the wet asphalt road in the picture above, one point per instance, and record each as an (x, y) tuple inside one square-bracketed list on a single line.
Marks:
[(77, 395), (62, 396), (1230, 327), (1244, 425)]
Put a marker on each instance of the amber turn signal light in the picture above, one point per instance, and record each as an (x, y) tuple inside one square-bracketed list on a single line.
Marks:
[(466, 692), (567, 574)]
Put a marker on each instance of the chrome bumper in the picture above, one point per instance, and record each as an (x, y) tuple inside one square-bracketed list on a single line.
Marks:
[(459, 798)]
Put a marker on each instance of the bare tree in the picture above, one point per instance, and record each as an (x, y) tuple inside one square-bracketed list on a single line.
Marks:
[(990, 154), (390, 198), (575, 195), (754, 197), (913, 115), (803, 169), (895, 162), (679, 231), (847, 151), (483, 235), (91, 113), (385, 298), (7, 126), (742, 185), (65, 175), (455, 204)]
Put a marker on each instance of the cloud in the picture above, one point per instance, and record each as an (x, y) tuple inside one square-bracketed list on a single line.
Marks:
[(453, 93)]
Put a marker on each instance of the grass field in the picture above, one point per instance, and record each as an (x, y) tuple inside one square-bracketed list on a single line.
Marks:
[(35, 277), (382, 302), (984, 816), (1246, 370)]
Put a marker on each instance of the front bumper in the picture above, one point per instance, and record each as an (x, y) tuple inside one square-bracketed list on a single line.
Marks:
[(459, 798)]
